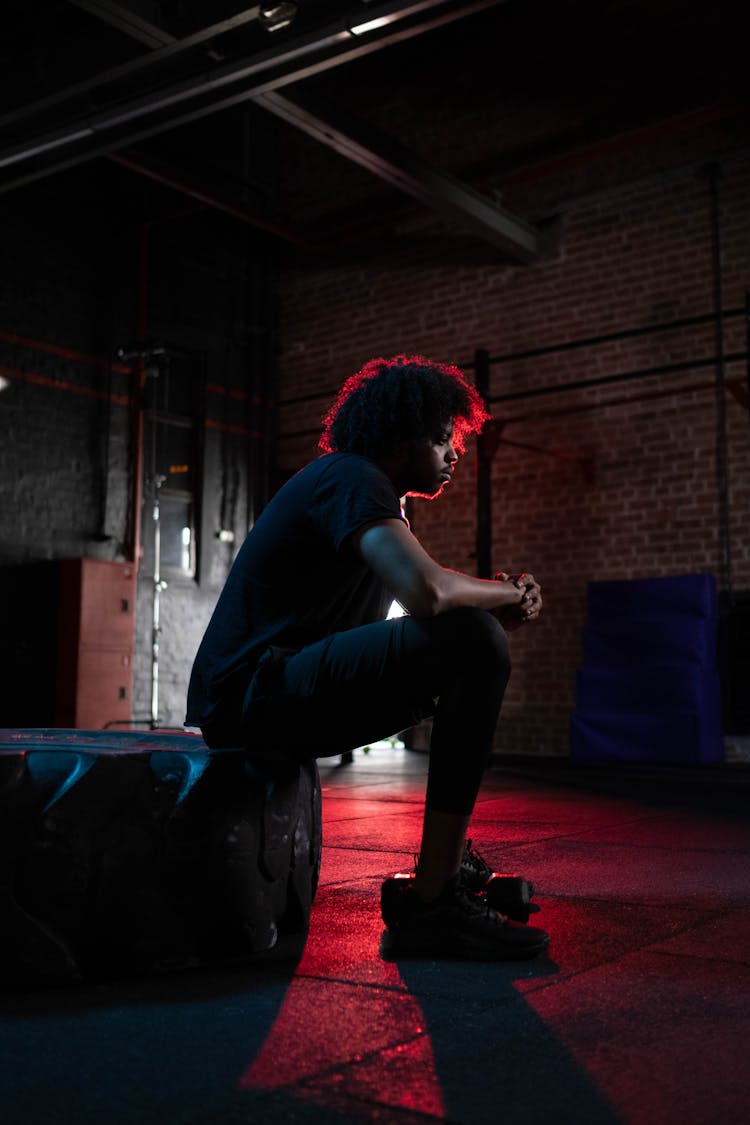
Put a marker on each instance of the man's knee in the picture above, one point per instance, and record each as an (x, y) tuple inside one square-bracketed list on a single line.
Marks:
[(480, 637)]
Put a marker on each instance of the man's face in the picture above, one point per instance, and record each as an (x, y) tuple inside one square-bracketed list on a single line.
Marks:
[(430, 465)]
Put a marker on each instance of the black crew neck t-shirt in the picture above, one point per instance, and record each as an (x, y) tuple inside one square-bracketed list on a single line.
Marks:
[(296, 578)]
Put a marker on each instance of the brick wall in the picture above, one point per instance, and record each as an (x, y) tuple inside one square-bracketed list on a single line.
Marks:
[(630, 258)]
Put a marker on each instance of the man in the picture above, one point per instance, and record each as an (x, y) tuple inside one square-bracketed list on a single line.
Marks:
[(299, 661)]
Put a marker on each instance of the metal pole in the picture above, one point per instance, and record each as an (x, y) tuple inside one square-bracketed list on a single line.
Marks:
[(722, 444), (747, 347), (484, 474), (159, 585)]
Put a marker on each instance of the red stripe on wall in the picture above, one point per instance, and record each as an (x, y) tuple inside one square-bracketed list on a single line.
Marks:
[(62, 385), (118, 400), (240, 431), (229, 392), (66, 353)]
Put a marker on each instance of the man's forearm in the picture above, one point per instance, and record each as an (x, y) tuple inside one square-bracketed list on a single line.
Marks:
[(454, 589), (421, 585)]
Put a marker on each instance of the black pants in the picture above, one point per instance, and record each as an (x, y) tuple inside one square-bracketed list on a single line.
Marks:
[(357, 686)]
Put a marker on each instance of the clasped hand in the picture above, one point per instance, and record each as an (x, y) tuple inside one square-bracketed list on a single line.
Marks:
[(528, 609)]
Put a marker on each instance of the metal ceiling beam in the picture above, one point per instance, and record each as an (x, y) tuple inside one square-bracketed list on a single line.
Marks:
[(291, 60), (124, 19), (155, 56), (209, 199), (358, 142), (391, 161)]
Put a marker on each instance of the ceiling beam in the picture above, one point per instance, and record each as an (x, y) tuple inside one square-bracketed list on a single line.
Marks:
[(390, 161), (124, 19), (125, 121), (453, 200), (209, 199), (170, 48)]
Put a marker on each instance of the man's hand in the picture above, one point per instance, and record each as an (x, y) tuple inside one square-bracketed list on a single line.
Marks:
[(528, 609), (424, 588)]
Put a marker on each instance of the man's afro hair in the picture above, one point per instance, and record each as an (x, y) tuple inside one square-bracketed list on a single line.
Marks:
[(402, 399)]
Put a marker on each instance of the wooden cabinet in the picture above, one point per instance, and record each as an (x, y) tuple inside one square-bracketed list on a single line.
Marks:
[(95, 640)]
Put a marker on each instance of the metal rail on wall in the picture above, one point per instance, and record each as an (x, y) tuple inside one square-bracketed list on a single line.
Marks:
[(495, 433), (579, 384), (739, 388)]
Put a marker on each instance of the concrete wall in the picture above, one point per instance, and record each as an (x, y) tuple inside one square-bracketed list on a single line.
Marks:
[(70, 288)]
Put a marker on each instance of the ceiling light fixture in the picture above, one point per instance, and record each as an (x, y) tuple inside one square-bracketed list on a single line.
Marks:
[(394, 13), (373, 25), (275, 16)]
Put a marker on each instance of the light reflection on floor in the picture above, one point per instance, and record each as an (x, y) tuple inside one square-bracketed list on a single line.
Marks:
[(361, 1035)]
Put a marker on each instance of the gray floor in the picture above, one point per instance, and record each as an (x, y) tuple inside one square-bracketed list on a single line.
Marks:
[(640, 1013)]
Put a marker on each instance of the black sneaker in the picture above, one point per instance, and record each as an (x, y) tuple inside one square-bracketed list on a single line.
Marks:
[(475, 871), (457, 924), (510, 894)]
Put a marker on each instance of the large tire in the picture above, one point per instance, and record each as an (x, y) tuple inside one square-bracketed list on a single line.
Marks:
[(130, 852)]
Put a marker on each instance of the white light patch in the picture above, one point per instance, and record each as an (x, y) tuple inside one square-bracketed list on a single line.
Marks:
[(373, 25), (186, 539)]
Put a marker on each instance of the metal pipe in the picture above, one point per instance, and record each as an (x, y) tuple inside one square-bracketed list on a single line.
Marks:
[(252, 219), (732, 385), (484, 474), (631, 140), (136, 408), (722, 437), (568, 345), (159, 586), (621, 377), (747, 339), (614, 337)]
